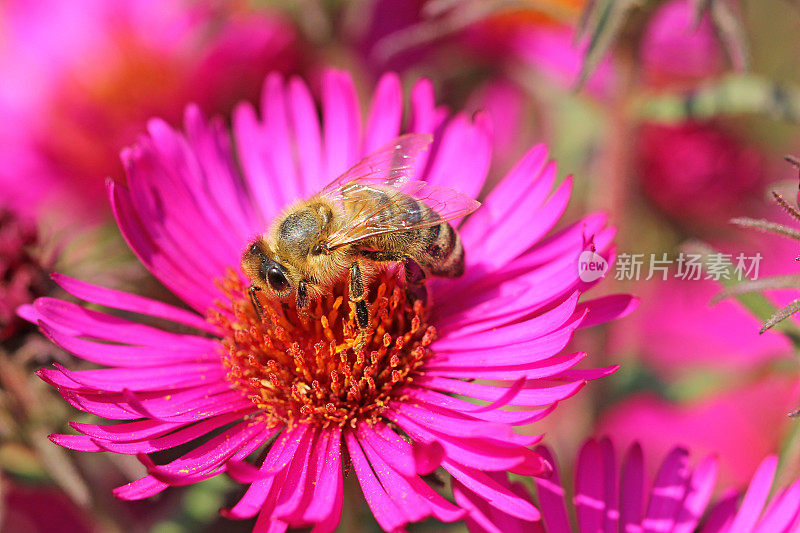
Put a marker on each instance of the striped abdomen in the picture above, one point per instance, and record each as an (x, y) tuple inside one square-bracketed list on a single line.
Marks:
[(437, 249)]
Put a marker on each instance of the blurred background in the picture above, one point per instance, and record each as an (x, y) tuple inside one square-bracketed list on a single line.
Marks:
[(673, 116)]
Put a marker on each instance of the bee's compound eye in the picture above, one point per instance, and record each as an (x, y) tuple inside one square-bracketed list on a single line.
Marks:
[(277, 280)]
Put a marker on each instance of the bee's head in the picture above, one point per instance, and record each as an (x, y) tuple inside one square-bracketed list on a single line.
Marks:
[(264, 271)]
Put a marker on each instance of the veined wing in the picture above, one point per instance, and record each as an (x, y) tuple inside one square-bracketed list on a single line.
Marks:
[(392, 163), (396, 206)]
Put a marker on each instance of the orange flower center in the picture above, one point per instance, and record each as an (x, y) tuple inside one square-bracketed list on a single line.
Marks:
[(316, 366)]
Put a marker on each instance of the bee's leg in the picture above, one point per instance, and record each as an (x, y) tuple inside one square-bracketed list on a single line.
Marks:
[(415, 282), (252, 290), (358, 295), (302, 295)]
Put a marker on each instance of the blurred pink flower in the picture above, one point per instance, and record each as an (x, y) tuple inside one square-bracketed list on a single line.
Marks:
[(23, 271), (188, 213), (674, 50), (678, 332), (697, 172), (552, 52), (611, 498), (742, 423), (81, 78), (35, 509)]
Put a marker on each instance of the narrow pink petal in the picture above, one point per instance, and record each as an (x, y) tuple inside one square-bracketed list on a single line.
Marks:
[(386, 512), (631, 490), (495, 494), (140, 489), (80, 443), (117, 379), (308, 138), (610, 486), (279, 457), (590, 505), (278, 138), (73, 319), (341, 122), (411, 504), (204, 427), (218, 175), (606, 309), (121, 355), (162, 267), (432, 398), (130, 302), (722, 513), (385, 114), (527, 226), (552, 497), (329, 485), (521, 353), (428, 456), (701, 487), (783, 513), (126, 432), (295, 486), (393, 449), (462, 157), (505, 196), (554, 366), (249, 137), (530, 397), (482, 517), (756, 496), (486, 454), (669, 490), (423, 117), (545, 322), (212, 453)]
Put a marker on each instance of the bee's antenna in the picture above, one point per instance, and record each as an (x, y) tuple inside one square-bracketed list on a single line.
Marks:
[(252, 290)]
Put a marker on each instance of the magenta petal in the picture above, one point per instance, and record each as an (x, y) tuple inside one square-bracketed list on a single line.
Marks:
[(341, 122), (386, 113), (701, 487), (121, 355), (756, 496), (631, 489), (386, 512), (248, 133), (177, 438), (526, 397), (279, 457), (411, 504), (393, 449), (295, 485), (551, 497), (495, 494), (589, 497), (606, 309), (140, 489), (308, 137), (783, 513), (129, 302), (329, 485), (427, 456)]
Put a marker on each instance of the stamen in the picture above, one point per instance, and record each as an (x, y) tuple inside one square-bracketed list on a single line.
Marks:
[(314, 365)]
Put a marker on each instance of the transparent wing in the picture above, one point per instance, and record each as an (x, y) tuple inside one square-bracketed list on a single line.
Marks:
[(392, 163), (395, 206)]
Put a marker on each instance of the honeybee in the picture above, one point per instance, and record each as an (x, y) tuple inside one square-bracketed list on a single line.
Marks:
[(372, 215)]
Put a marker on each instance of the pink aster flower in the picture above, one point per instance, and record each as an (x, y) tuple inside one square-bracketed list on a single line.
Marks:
[(676, 50), (608, 499), (81, 78), (293, 387)]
